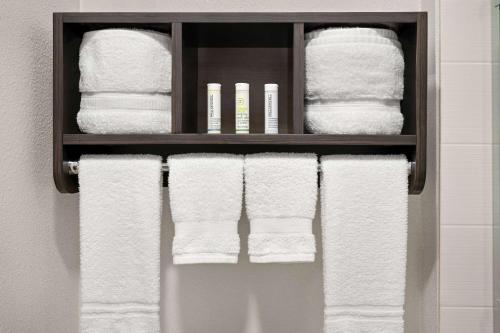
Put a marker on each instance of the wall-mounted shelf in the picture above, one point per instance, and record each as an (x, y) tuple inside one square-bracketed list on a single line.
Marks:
[(257, 48)]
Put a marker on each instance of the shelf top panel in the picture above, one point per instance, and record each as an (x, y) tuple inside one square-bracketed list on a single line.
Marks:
[(241, 139), (291, 17)]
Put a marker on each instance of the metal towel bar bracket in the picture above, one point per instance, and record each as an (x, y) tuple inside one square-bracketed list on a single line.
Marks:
[(73, 167)]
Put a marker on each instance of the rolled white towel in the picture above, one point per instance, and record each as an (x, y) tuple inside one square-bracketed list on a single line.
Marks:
[(354, 117), (350, 32), (125, 60), (358, 63), (280, 196), (124, 113), (327, 40), (206, 192)]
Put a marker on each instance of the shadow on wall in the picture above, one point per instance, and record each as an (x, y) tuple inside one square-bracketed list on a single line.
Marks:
[(53, 237), (246, 297), (64, 207)]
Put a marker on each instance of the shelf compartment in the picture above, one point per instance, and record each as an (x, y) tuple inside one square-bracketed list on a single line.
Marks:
[(72, 34), (409, 37), (227, 53)]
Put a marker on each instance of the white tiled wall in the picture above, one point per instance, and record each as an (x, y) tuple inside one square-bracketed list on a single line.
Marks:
[(466, 296)]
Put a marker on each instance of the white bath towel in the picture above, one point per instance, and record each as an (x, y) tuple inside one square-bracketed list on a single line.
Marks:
[(354, 64), (206, 193), (120, 209), (125, 60), (354, 117), (364, 203), (280, 196), (125, 113)]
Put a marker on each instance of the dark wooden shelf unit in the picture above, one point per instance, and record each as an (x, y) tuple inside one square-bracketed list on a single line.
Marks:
[(256, 48)]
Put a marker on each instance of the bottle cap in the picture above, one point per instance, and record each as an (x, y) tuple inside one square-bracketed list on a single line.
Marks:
[(271, 87), (242, 86), (213, 86)]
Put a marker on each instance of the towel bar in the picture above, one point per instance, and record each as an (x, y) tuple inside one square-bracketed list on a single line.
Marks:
[(72, 167)]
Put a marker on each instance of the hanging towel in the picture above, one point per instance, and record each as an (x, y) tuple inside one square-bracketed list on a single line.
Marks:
[(354, 81), (364, 203), (206, 193), (280, 196), (125, 60), (124, 113), (120, 209)]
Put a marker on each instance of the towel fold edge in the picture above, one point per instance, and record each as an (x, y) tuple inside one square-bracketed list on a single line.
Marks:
[(284, 244), (205, 258), (353, 120), (282, 258), (124, 121)]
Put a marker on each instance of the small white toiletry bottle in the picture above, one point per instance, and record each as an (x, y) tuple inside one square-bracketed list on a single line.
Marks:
[(271, 108), (242, 108), (213, 108)]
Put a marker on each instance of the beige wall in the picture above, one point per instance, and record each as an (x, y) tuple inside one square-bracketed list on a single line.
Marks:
[(466, 167), (38, 226), (39, 254)]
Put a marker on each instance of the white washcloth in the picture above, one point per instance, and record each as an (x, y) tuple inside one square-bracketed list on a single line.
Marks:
[(364, 203), (120, 209), (206, 192), (125, 113), (354, 64), (280, 196), (354, 117), (125, 60)]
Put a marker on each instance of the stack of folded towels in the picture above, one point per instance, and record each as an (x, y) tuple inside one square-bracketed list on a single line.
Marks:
[(125, 82), (354, 81)]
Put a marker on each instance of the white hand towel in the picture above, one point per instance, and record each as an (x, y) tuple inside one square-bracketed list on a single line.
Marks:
[(364, 203), (125, 60), (124, 113), (280, 196), (120, 209), (206, 193), (354, 117), (354, 64)]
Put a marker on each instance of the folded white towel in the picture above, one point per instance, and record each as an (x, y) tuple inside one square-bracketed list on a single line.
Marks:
[(120, 210), (354, 64), (280, 196), (125, 60), (124, 113), (364, 203), (351, 32), (206, 192), (346, 39), (354, 117)]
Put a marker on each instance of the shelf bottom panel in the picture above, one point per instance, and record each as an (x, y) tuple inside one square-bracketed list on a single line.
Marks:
[(240, 139)]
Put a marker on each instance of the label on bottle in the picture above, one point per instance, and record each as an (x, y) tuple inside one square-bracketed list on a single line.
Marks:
[(271, 112), (242, 112), (213, 105)]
